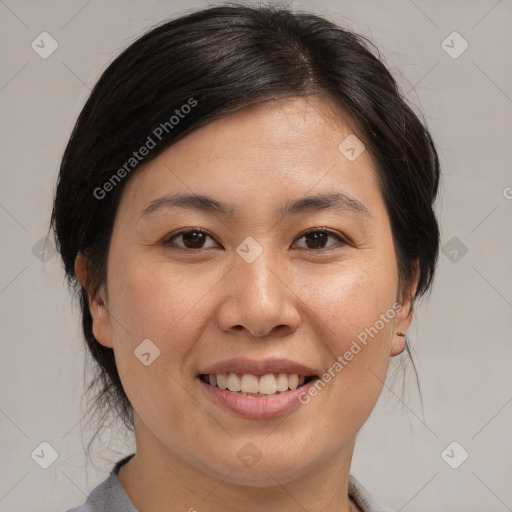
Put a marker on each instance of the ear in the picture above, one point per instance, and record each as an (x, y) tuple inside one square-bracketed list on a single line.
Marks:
[(404, 315), (101, 327)]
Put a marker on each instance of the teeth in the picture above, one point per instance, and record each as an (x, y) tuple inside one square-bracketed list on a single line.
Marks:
[(268, 384), (222, 381), (233, 382), (247, 383), (282, 382), (293, 381)]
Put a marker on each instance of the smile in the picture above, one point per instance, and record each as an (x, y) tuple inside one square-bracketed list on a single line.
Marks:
[(248, 384), (255, 405)]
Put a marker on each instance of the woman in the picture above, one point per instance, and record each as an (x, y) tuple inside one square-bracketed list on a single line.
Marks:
[(246, 209)]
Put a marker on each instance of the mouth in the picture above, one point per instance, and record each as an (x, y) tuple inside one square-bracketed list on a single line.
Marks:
[(258, 386)]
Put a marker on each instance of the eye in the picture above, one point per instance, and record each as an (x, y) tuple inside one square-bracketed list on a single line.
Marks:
[(194, 239), (190, 238), (317, 238)]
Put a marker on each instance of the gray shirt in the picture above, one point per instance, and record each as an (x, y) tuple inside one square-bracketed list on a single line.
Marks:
[(109, 496)]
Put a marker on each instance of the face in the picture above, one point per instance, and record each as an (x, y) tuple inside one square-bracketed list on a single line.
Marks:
[(260, 279)]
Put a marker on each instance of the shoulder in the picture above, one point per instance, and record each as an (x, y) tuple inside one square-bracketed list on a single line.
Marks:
[(364, 500), (109, 495)]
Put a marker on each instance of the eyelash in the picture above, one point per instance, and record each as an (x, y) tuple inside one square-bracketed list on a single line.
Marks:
[(169, 241)]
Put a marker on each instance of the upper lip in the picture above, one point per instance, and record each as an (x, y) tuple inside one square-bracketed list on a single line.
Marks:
[(242, 365)]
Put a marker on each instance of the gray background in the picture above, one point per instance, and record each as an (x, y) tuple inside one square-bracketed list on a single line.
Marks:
[(461, 334)]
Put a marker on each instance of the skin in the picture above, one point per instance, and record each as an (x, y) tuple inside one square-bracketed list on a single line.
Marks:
[(207, 306)]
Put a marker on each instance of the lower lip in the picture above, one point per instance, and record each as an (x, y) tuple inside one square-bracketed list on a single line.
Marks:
[(257, 407)]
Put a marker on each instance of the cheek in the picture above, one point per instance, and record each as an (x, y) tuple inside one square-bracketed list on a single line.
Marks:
[(161, 303), (354, 315), (350, 297), (164, 306), (154, 298)]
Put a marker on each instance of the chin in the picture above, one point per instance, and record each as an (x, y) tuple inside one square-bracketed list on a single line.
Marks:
[(265, 471), (265, 475)]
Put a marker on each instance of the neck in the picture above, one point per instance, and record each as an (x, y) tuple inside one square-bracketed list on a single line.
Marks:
[(156, 477)]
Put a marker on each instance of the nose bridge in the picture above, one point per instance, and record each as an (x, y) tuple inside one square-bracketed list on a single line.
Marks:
[(256, 276), (258, 298)]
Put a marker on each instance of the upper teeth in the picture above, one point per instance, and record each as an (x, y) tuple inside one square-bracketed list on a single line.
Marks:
[(267, 384)]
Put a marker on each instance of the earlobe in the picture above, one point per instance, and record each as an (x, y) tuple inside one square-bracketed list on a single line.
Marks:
[(98, 307), (101, 326), (398, 343)]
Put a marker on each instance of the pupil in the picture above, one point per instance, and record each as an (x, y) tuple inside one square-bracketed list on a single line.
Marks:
[(319, 239), (193, 240)]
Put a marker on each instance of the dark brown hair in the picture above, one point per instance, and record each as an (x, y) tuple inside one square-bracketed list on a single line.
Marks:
[(225, 58)]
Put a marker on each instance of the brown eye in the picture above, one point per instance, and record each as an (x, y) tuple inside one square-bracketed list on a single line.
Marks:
[(317, 239), (195, 239), (189, 239)]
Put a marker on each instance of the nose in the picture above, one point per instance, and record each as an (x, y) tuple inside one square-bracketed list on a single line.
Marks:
[(258, 298)]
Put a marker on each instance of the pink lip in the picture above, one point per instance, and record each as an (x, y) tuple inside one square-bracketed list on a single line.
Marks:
[(255, 407), (242, 365)]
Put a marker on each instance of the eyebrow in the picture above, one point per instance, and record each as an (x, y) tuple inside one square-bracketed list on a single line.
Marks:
[(337, 201)]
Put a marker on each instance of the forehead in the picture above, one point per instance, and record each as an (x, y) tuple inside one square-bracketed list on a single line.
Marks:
[(260, 154), (285, 129)]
